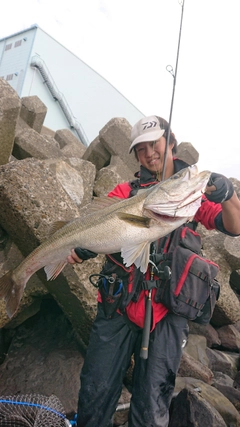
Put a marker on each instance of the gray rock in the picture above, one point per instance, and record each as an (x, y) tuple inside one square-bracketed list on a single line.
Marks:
[(223, 361), (65, 137), (230, 338), (121, 168), (31, 200), (97, 154), (10, 105), (29, 143), (227, 310), (44, 357), (74, 149), (195, 369), (190, 409), (229, 392), (223, 379), (207, 331), (33, 112), (187, 152), (106, 179), (196, 348), (115, 136), (213, 396), (235, 281)]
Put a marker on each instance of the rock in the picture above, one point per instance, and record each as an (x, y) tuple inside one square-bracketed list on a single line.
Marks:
[(33, 112), (74, 149), (196, 348), (87, 172), (207, 331), (97, 154), (223, 379), (230, 338), (235, 281), (223, 361), (193, 368), (115, 136), (190, 409), (232, 250), (65, 137), (230, 393), (106, 179), (121, 168), (71, 181), (10, 105), (30, 206), (213, 396), (29, 143), (187, 153), (227, 309), (236, 382), (44, 356)]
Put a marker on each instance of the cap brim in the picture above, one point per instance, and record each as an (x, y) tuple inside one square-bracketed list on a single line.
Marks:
[(147, 136)]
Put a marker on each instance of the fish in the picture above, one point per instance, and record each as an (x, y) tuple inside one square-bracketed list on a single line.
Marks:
[(112, 225)]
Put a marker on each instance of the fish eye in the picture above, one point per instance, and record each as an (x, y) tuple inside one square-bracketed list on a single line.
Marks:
[(176, 176)]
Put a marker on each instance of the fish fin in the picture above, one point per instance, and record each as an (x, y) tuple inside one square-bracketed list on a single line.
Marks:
[(56, 226), (138, 221), (11, 292), (138, 255), (53, 270)]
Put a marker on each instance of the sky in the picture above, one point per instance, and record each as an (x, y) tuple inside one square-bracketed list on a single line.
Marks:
[(132, 42)]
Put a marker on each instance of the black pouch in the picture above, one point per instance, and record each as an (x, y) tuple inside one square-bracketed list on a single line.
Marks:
[(205, 315), (112, 291), (192, 290)]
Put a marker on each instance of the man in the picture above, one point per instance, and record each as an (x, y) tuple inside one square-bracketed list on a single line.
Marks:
[(116, 337)]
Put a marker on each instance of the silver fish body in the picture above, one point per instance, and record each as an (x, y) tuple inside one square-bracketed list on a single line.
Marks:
[(127, 226)]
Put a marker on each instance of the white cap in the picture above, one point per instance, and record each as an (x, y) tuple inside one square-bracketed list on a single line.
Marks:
[(146, 129)]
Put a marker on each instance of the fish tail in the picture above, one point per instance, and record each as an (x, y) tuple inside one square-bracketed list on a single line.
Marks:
[(11, 292)]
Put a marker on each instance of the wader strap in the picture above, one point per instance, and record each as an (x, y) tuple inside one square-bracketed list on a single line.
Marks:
[(147, 285)]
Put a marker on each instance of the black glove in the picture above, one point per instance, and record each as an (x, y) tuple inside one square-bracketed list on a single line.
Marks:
[(84, 254), (224, 188)]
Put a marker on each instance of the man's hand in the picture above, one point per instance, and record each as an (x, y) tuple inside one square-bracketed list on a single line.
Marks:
[(78, 255), (219, 188)]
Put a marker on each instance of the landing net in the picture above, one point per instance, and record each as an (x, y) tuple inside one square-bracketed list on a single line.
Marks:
[(31, 410)]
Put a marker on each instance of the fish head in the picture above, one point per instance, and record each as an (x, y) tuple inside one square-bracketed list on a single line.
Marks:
[(177, 197)]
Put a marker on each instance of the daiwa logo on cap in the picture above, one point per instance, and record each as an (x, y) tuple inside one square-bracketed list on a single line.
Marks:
[(148, 125)]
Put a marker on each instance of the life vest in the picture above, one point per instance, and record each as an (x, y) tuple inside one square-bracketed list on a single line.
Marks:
[(133, 298)]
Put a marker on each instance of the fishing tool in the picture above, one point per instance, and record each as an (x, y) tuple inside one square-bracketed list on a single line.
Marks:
[(148, 313)]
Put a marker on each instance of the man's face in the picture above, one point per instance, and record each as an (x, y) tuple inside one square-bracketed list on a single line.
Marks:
[(151, 154)]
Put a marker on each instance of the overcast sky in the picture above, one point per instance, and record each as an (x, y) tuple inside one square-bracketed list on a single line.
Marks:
[(131, 42)]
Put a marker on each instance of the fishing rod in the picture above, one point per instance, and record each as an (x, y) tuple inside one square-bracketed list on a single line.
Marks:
[(148, 314), (170, 70)]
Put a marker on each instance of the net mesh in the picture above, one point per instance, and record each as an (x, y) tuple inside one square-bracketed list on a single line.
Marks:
[(31, 410)]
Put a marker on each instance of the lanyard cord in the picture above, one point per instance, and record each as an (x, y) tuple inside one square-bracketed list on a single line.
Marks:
[(170, 70)]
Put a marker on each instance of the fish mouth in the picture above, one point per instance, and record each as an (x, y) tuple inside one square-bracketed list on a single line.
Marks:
[(163, 217)]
